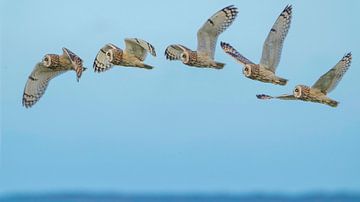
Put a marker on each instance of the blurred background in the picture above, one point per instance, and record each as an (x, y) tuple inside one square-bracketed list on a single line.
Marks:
[(177, 130)]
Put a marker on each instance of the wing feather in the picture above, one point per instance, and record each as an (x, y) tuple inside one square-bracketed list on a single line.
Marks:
[(208, 34), (76, 62), (37, 83), (173, 52), (331, 79), (273, 44), (281, 97), (235, 54), (139, 48), (101, 63)]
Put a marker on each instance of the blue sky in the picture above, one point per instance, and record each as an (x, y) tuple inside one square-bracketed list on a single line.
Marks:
[(177, 129)]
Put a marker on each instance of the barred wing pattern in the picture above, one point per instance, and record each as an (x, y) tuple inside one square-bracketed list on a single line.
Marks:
[(101, 62), (37, 83), (139, 48), (235, 54), (273, 44), (173, 52), (331, 79), (281, 97), (214, 26), (76, 62)]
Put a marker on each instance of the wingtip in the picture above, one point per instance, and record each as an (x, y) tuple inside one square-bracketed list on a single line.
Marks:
[(288, 7), (225, 45), (264, 97)]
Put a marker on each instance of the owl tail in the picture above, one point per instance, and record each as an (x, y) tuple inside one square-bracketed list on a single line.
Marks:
[(281, 81), (219, 65), (332, 103), (145, 66)]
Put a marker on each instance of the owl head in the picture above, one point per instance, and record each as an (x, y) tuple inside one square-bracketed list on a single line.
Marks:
[(301, 91), (250, 70), (185, 57), (51, 60), (114, 56)]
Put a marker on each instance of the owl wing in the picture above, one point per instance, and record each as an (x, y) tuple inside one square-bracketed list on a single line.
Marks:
[(331, 79), (37, 83), (76, 62), (274, 42), (139, 48), (208, 34), (235, 54), (101, 62), (281, 97), (173, 52)]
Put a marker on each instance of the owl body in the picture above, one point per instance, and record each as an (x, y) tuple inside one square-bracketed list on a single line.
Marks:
[(134, 55), (271, 54), (324, 85), (260, 73), (207, 37), (201, 60), (51, 66), (121, 58), (130, 60), (309, 94)]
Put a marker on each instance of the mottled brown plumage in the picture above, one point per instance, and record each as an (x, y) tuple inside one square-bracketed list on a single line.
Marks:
[(51, 66), (318, 92), (265, 70), (207, 37), (133, 56)]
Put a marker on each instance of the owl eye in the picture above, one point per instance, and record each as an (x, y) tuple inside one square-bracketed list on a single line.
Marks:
[(246, 69), (46, 59), (108, 54), (297, 90)]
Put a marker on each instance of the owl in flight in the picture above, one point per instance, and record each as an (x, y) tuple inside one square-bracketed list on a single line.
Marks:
[(207, 37), (51, 66), (265, 71), (133, 56), (318, 92)]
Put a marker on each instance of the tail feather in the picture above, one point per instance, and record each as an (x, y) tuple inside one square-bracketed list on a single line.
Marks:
[(282, 81), (219, 65), (145, 66), (332, 103)]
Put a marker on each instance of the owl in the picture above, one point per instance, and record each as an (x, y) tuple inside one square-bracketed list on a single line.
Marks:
[(133, 56), (51, 66), (318, 92), (207, 37), (265, 71)]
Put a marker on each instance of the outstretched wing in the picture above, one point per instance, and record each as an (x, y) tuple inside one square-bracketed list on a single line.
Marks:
[(101, 62), (281, 97), (76, 62), (37, 83), (139, 48), (173, 52), (235, 54), (274, 42), (208, 34), (331, 79)]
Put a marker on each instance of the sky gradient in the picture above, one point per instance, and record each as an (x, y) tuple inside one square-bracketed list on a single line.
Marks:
[(175, 128)]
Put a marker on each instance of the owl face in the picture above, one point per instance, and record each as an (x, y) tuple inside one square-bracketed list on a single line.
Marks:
[(185, 57), (110, 55), (301, 91), (247, 70), (114, 56), (51, 60)]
